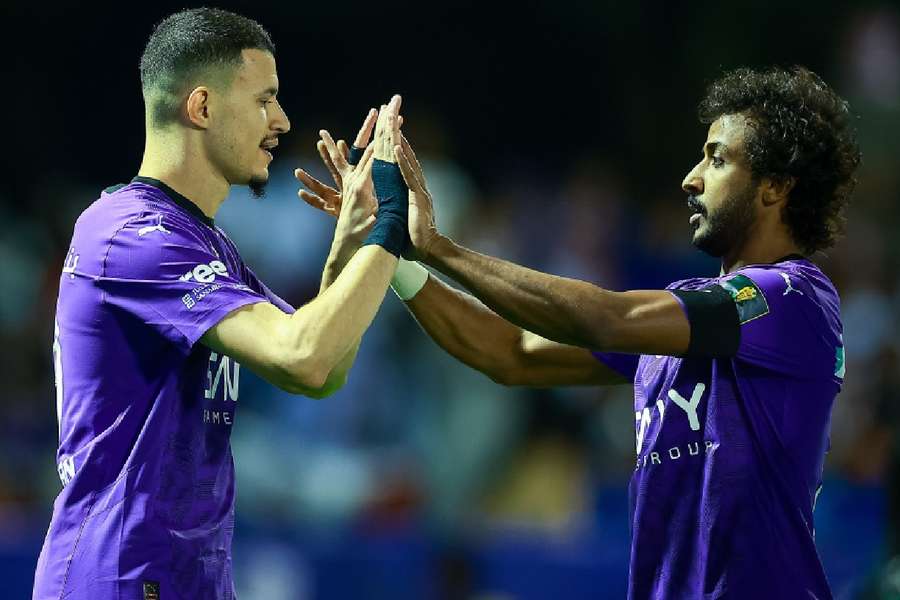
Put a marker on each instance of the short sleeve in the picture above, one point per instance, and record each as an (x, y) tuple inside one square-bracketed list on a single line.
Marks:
[(624, 364), (782, 327), (173, 279), (257, 284)]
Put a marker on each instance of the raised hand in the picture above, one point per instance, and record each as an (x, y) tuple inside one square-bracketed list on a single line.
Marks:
[(387, 130), (422, 229), (320, 195), (355, 207)]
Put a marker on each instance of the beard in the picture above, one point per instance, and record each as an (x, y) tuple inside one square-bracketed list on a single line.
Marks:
[(257, 186), (729, 226)]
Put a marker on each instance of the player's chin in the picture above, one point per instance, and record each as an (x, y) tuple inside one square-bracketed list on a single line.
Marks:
[(697, 233), (700, 237), (260, 173)]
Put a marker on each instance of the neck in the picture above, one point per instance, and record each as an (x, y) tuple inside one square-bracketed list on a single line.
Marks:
[(761, 249), (178, 161)]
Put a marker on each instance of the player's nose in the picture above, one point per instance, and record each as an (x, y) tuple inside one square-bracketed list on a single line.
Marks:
[(280, 121), (692, 183)]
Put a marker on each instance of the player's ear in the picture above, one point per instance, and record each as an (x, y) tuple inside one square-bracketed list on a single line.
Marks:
[(197, 107), (777, 189)]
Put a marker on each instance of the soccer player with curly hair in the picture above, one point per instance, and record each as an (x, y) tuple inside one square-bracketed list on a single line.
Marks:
[(734, 375)]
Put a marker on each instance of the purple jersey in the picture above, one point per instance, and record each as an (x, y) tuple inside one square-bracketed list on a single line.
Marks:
[(730, 451), (145, 412)]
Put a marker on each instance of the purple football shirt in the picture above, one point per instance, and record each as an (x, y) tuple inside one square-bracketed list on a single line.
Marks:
[(730, 451), (145, 412)]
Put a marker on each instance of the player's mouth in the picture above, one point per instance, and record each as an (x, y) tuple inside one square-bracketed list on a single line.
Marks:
[(698, 210), (267, 145)]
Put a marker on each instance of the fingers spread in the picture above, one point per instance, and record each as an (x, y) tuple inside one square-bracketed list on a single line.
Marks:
[(394, 120), (405, 150), (326, 158), (408, 149), (365, 162), (339, 161), (312, 183), (344, 149), (365, 132), (317, 202), (380, 132), (409, 174)]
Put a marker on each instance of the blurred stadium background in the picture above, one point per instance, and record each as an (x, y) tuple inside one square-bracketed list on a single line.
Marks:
[(555, 134)]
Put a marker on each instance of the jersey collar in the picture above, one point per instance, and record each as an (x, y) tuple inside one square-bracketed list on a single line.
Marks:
[(175, 197)]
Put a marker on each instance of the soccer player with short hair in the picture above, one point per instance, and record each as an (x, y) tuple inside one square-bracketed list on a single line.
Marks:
[(157, 312), (734, 375)]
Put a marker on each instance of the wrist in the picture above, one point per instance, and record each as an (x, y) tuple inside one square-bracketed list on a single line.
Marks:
[(342, 250), (409, 279), (436, 250)]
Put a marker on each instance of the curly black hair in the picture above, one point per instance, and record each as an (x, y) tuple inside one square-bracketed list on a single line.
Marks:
[(800, 128)]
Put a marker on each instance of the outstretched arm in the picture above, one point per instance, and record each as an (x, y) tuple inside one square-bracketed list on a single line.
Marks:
[(298, 352), (348, 236), (510, 355), (564, 310)]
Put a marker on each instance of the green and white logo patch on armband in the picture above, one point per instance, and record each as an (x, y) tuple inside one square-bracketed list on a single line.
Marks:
[(749, 299)]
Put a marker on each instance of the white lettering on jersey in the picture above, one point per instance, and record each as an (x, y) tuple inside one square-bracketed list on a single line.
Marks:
[(230, 379), (151, 228), (71, 263), (790, 288), (645, 417), (58, 374), (66, 469), (690, 407), (206, 273)]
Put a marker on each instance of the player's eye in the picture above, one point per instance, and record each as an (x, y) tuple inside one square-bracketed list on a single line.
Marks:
[(717, 161)]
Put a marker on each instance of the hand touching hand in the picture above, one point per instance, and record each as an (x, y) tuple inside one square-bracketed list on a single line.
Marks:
[(320, 195), (422, 229)]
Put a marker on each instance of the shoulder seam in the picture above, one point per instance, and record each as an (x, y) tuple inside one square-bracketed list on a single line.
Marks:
[(109, 244)]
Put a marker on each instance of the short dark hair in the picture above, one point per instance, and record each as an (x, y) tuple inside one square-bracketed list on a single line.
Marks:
[(188, 43), (800, 128)]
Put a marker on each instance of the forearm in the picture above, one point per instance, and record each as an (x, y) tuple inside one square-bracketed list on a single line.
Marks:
[(565, 310), (466, 328), (342, 250), (326, 330)]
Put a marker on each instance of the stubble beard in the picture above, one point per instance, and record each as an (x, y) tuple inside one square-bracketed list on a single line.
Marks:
[(729, 227), (257, 186)]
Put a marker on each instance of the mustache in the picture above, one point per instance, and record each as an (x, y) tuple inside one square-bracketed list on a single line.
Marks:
[(695, 205)]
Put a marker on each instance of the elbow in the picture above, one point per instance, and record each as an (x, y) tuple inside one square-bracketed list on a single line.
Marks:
[(302, 371), (332, 384), (507, 375), (309, 376), (504, 378)]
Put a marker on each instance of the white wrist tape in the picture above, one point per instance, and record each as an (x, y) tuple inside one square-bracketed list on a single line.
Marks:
[(409, 278)]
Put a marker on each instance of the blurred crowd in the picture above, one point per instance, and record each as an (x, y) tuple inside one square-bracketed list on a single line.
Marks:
[(423, 465)]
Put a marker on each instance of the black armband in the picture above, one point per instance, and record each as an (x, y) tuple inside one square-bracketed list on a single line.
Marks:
[(714, 321)]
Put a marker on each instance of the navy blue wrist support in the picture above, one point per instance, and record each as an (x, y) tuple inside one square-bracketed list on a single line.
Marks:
[(356, 155), (390, 231)]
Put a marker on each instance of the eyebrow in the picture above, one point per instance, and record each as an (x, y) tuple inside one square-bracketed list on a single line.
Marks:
[(713, 147), (272, 91)]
